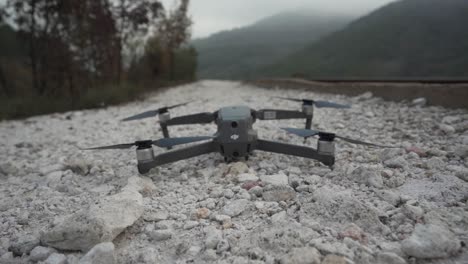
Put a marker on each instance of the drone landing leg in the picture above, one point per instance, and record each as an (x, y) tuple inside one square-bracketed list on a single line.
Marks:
[(165, 131), (180, 154), (293, 150), (308, 122)]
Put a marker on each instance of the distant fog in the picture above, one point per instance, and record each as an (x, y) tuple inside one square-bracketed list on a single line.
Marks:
[(211, 16)]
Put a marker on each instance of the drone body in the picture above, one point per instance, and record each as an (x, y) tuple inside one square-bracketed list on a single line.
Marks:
[(236, 137)]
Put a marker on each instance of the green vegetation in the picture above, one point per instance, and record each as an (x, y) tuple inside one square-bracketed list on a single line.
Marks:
[(410, 38), (236, 54)]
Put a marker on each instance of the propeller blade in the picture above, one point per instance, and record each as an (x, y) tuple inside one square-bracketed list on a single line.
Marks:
[(119, 146), (358, 142), (305, 133), (290, 99), (170, 142), (201, 118), (143, 115), (177, 105), (323, 104), (153, 113)]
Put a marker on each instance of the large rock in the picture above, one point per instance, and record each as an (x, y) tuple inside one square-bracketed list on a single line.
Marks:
[(100, 254), (101, 222), (305, 255), (431, 241)]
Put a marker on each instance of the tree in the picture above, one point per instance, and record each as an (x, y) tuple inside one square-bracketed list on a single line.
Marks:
[(134, 18), (174, 31)]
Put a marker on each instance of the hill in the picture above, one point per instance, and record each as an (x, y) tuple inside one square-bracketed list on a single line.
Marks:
[(409, 38), (236, 53)]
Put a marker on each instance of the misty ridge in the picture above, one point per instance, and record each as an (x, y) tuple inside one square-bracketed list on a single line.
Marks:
[(404, 39)]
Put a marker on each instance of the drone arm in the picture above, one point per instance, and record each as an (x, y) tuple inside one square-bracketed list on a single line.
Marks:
[(273, 114), (294, 150), (201, 118), (173, 156)]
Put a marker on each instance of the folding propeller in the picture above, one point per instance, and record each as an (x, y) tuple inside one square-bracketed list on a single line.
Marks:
[(153, 113), (318, 104), (162, 143), (306, 133)]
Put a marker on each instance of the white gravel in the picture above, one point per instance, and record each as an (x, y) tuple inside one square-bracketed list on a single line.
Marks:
[(377, 206)]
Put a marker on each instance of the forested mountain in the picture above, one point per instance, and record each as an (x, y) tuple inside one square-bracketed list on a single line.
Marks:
[(409, 38), (237, 53)]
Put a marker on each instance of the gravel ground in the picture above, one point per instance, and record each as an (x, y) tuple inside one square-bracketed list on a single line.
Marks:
[(59, 204)]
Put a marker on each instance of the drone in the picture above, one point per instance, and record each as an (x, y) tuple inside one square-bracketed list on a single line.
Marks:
[(235, 137)]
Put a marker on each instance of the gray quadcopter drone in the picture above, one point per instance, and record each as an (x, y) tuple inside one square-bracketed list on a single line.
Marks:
[(235, 138)]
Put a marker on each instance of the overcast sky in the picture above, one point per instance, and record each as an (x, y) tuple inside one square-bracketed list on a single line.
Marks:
[(211, 16)]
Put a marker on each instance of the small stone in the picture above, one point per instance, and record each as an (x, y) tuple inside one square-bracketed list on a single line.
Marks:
[(447, 129), (203, 213), (245, 177), (279, 217), (100, 254), (305, 255), (251, 184), (397, 162), (235, 207), (7, 255), (53, 178), (160, 215), (50, 168), (223, 245), (355, 233), (161, 235), (277, 179), (212, 237), (390, 197), (435, 163), (190, 224), (222, 218), (24, 245), (243, 194), (279, 193), (367, 176), (418, 151), (419, 102), (56, 258), (256, 191), (228, 193), (334, 259), (237, 168), (413, 212), (462, 175), (390, 153), (431, 241), (389, 258), (462, 151), (303, 188), (40, 253)]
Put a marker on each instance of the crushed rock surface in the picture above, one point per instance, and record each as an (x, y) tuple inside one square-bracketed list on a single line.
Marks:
[(406, 205)]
